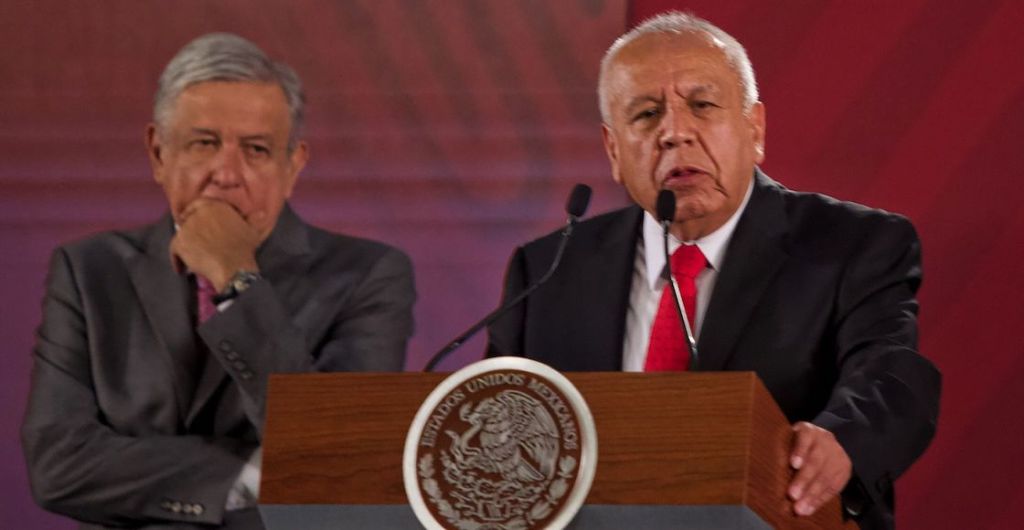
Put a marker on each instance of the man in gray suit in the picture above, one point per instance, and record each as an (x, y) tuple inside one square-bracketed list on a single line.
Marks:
[(151, 363)]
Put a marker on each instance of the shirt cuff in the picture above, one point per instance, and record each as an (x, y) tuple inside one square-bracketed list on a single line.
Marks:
[(246, 490)]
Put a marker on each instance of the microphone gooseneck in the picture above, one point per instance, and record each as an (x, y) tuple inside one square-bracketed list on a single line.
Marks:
[(575, 207), (666, 210)]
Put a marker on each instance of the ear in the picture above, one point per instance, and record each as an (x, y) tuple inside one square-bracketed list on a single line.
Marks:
[(611, 148), (757, 124), (296, 161), (154, 149)]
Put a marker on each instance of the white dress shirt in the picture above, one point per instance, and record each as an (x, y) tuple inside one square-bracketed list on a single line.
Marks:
[(648, 283)]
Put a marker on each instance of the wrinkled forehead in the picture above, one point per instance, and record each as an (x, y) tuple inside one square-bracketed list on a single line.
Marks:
[(678, 59)]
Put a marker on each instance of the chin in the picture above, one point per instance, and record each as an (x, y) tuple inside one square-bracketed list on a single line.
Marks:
[(691, 209)]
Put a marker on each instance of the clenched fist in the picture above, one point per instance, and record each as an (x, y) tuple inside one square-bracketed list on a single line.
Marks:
[(214, 241)]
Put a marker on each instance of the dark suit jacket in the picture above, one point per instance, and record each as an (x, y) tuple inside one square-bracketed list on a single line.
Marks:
[(815, 295), (134, 411)]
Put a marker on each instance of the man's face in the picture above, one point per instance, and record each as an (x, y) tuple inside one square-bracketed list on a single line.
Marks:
[(228, 141), (677, 122)]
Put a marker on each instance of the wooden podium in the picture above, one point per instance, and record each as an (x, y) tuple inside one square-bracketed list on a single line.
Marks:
[(675, 450)]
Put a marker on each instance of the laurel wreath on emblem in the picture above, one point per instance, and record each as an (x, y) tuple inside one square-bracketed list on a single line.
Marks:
[(518, 450), (538, 511)]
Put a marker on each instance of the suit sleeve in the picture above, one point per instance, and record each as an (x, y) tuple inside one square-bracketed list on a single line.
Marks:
[(884, 407), (79, 466), (505, 335), (256, 336)]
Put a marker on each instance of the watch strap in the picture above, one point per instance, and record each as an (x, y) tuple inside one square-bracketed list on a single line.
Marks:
[(239, 283)]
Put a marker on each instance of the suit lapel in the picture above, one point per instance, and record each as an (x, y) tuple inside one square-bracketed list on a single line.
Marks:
[(606, 313), (164, 297), (754, 257), (289, 240)]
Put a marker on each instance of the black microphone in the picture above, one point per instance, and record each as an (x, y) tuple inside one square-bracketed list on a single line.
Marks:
[(576, 206), (578, 201), (666, 210)]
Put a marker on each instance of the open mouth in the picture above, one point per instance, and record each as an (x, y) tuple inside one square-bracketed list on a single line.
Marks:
[(682, 175)]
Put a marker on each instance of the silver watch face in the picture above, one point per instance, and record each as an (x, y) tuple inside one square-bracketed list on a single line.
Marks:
[(242, 280)]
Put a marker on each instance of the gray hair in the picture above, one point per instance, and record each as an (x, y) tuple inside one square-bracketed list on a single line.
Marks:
[(227, 57), (677, 22)]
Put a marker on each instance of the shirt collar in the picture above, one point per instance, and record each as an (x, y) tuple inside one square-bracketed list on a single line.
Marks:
[(713, 245)]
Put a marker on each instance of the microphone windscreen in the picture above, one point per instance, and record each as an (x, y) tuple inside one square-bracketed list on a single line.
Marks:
[(666, 206), (579, 199)]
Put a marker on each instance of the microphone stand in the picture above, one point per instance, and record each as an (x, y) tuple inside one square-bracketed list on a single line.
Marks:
[(577, 205), (665, 207), (694, 358)]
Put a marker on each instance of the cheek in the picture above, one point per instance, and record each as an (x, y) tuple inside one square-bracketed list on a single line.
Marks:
[(267, 189), (181, 186), (639, 145), (638, 158), (268, 192), (737, 140), (736, 155)]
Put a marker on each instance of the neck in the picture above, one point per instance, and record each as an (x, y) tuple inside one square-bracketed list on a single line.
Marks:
[(694, 229)]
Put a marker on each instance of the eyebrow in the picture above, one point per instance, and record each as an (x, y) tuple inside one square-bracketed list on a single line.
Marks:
[(700, 89), (640, 100), (691, 91), (266, 137)]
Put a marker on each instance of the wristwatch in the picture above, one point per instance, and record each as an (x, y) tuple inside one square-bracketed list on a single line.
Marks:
[(238, 283)]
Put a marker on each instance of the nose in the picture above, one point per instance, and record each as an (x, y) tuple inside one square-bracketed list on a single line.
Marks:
[(228, 167), (677, 128)]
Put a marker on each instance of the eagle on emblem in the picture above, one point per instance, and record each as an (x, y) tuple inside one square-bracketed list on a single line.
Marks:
[(517, 438)]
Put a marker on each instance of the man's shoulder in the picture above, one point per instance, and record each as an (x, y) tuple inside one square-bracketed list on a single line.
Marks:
[(821, 205), (353, 250), (817, 228), (818, 215), (115, 243)]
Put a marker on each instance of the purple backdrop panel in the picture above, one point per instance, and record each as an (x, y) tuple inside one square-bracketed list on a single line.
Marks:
[(453, 130)]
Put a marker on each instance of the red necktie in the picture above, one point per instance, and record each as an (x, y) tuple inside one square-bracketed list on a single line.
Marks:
[(668, 349), (205, 292)]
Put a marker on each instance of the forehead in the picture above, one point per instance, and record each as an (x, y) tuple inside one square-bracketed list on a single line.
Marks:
[(683, 61), (231, 104)]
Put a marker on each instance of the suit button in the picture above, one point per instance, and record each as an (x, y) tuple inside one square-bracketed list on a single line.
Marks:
[(176, 507), (165, 504), (239, 365), (186, 509), (225, 346), (198, 509), (247, 375), (231, 355)]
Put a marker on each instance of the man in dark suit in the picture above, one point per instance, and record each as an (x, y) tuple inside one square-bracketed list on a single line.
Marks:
[(151, 363), (815, 295)]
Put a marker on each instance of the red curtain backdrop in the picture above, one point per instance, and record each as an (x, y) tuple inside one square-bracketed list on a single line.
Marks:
[(918, 107), (455, 129)]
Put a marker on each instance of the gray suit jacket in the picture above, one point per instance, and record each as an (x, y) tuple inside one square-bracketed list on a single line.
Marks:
[(138, 418)]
